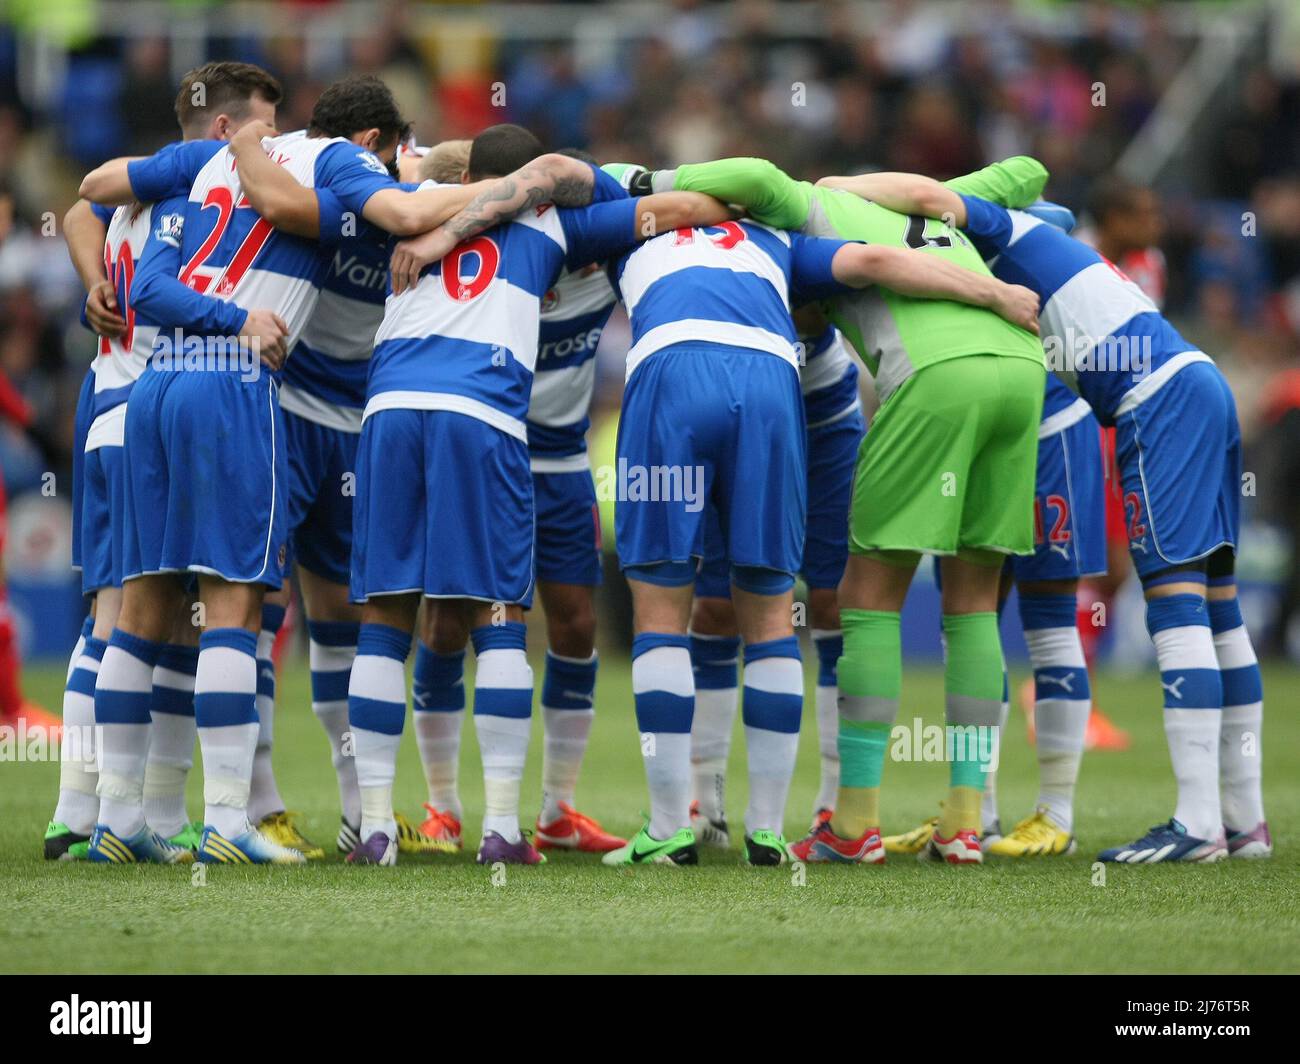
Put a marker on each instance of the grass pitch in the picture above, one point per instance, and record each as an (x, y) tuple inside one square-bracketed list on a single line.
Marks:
[(445, 914)]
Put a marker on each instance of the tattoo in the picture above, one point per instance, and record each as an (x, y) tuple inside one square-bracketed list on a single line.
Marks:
[(516, 193), (503, 201), (571, 192)]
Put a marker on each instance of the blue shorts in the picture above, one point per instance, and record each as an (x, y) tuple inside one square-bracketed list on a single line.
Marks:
[(103, 505), (712, 425), (319, 493), (713, 576), (832, 454), (1179, 456), (568, 528), (444, 507), (80, 427), (1069, 507), (205, 471)]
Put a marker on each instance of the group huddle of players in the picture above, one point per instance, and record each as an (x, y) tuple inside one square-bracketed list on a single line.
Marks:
[(336, 350)]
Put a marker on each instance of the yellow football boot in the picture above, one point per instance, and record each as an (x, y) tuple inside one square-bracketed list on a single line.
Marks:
[(411, 839), (280, 829), (911, 842), (1035, 836)]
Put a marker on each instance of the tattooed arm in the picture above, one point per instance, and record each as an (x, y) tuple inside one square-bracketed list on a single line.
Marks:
[(648, 216), (551, 178)]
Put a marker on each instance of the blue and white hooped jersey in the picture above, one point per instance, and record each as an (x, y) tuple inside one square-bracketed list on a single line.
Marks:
[(229, 252), (465, 338), (575, 311), (828, 378), (1099, 328), (122, 359), (730, 284), (142, 251), (1061, 408), (324, 379)]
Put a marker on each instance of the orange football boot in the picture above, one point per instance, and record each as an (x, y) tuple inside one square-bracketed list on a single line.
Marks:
[(37, 718), (442, 826), (572, 830), (1103, 733)]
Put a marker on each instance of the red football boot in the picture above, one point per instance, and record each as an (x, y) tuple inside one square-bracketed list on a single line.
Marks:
[(824, 846), (572, 830)]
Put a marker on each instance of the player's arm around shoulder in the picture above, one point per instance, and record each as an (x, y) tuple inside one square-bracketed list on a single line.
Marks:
[(904, 193), (109, 183), (550, 178), (763, 189), (665, 211), (922, 276), (167, 172), (84, 232), (406, 213), (271, 190)]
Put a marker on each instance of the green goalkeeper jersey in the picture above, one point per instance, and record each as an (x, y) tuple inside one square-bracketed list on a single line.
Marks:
[(894, 334)]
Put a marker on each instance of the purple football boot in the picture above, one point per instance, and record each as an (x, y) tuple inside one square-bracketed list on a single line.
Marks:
[(1255, 843), (379, 849), (494, 848)]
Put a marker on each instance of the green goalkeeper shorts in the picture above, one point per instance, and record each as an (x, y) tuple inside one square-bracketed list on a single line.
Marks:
[(948, 463)]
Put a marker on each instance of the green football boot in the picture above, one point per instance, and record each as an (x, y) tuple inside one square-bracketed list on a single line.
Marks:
[(64, 844), (765, 848), (642, 849), (189, 837)]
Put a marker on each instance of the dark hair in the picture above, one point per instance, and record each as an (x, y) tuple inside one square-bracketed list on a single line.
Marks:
[(500, 150), (222, 88), (1110, 194), (354, 104), (580, 155)]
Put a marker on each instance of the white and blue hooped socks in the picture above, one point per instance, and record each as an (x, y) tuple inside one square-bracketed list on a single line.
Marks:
[(376, 713), (1062, 699), (1240, 738), (171, 739), (503, 707), (1193, 699), (663, 687), (829, 645), (438, 694), (331, 649), (265, 795), (123, 691), (568, 710), (225, 711), (715, 662), (78, 805), (772, 707)]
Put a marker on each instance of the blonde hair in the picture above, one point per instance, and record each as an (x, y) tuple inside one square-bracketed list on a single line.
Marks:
[(445, 162)]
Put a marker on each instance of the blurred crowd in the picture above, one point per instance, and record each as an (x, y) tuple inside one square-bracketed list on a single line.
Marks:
[(934, 87)]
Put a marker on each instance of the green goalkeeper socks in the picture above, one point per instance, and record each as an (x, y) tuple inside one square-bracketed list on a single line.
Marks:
[(870, 677), (973, 695)]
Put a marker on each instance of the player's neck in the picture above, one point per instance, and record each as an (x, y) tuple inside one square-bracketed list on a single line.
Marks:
[(1112, 249)]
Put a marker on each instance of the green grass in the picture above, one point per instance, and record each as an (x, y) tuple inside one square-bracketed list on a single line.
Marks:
[(447, 915)]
